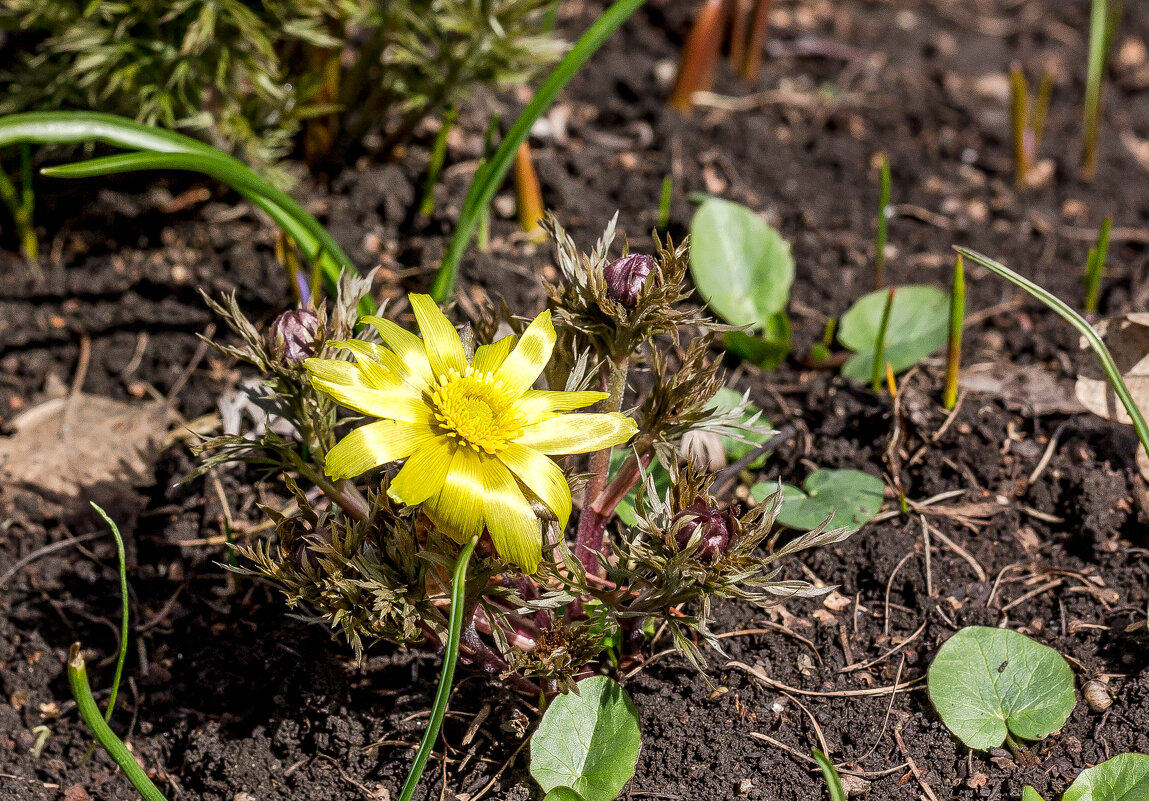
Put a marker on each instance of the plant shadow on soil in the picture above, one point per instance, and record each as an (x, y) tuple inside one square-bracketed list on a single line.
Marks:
[(230, 694)]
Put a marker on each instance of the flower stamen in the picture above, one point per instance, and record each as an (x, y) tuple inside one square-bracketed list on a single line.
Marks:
[(477, 410)]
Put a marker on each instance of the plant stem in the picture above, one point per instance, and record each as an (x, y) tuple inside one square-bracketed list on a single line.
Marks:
[(82, 693), (1095, 267), (350, 500), (699, 55), (438, 157), (953, 343), (756, 40), (1083, 327), (123, 610), (883, 206), (664, 202), (591, 525), (877, 369), (450, 658)]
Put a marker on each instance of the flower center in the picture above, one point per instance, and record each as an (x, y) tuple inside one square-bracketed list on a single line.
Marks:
[(477, 410)]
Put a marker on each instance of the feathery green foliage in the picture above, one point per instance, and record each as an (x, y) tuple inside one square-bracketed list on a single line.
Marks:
[(247, 76)]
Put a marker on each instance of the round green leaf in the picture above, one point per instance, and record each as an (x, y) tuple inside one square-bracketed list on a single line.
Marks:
[(851, 496), (741, 266), (918, 324), (987, 683), (1125, 777), (587, 742)]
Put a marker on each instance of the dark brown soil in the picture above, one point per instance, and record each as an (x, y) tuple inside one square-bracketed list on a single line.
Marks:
[(230, 698)]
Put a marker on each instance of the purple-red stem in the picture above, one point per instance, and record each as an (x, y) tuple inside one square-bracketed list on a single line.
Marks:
[(591, 525)]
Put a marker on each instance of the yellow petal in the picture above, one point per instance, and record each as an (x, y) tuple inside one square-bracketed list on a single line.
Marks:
[(578, 433), (335, 371), (542, 477), (400, 405), (408, 347), (440, 339), (537, 404), (374, 444), (423, 475), (374, 362), (530, 355), (489, 358), (457, 510), (513, 526)]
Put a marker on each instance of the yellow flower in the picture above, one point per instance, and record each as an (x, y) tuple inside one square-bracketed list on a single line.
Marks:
[(476, 437)]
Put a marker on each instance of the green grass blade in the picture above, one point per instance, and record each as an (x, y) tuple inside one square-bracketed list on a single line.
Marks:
[(123, 611), (490, 176), (1091, 114), (90, 713), (1084, 328), (830, 774)]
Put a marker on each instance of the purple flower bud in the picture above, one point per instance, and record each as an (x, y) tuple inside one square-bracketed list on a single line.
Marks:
[(716, 527), (625, 278), (292, 336)]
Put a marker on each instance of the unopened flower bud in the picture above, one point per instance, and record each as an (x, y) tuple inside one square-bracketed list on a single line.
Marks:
[(292, 337), (715, 528), (625, 277)]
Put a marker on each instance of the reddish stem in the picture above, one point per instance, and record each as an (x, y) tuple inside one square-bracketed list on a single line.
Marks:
[(756, 40), (700, 55)]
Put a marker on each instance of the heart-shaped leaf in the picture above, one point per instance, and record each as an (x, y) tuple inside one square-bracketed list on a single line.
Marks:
[(917, 327), (988, 683), (587, 742), (851, 496), (741, 266), (1125, 777)]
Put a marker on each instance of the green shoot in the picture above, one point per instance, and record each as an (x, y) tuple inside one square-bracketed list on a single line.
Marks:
[(1091, 118), (450, 658), (830, 774), (1041, 109), (157, 148), (490, 174), (883, 219), (1095, 267), (953, 342), (1112, 373), (90, 713), (438, 157), (123, 611), (1019, 113), (880, 343), (699, 55), (664, 202)]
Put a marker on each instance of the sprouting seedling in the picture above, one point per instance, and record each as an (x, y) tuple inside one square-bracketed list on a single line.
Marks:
[(1028, 120), (700, 54), (993, 685), (82, 692), (953, 341), (830, 774), (1099, 35), (820, 351), (438, 158), (1095, 267), (883, 219), (1112, 372), (664, 199), (529, 195), (879, 364), (21, 203)]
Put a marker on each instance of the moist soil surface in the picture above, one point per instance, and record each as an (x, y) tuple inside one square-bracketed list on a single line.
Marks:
[(1031, 521)]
